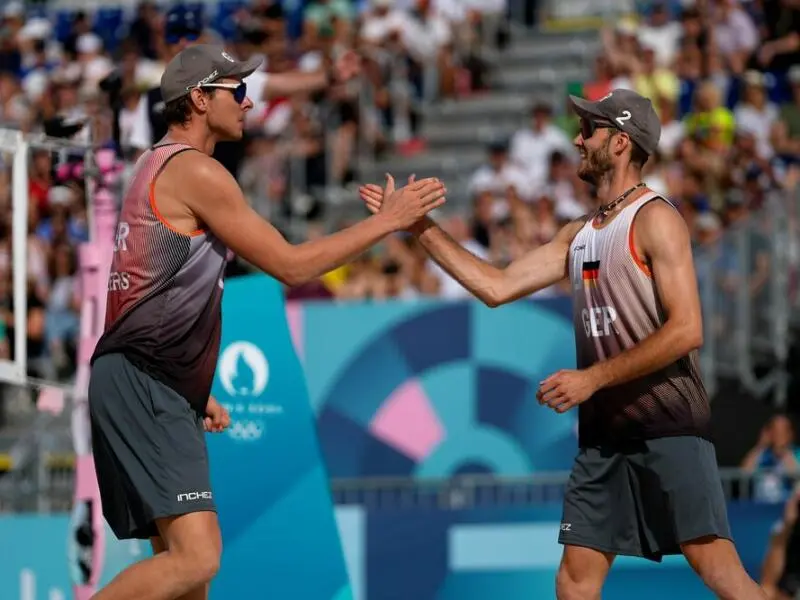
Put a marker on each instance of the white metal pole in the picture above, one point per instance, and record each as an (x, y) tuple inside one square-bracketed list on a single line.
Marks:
[(19, 241)]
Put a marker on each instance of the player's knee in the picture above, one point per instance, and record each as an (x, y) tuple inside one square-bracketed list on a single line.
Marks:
[(201, 564), (569, 587), (717, 563), (208, 567), (198, 556)]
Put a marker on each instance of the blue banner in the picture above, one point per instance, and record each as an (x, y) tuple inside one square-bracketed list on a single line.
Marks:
[(513, 553), (430, 554), (279, 533), (433, 389)]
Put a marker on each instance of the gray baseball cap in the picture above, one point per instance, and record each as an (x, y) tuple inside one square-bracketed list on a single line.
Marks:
[(200, 64), (628, 112)]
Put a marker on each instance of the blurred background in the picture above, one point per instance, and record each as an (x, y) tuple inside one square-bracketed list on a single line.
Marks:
[(423, 399)]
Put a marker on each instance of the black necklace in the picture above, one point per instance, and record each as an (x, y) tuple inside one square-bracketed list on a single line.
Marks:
[(604, 210)]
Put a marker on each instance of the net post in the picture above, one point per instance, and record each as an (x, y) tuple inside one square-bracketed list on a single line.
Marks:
[(19, 251)]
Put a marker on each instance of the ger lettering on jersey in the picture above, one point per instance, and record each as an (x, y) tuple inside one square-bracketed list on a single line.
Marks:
[(164, 310), (615, 307)]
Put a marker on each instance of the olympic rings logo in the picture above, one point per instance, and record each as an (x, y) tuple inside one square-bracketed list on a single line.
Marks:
[(246, 431)]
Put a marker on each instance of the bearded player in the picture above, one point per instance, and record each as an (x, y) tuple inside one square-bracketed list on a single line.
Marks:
[(645, 481)]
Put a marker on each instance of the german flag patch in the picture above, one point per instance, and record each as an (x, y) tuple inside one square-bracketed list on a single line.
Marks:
[(591, 273)]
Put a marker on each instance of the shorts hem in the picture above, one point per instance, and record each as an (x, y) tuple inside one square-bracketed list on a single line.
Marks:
[(584, 543), (691, 538), (144, 531)]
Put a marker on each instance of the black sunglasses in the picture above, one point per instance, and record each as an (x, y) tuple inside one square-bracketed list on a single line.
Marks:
[(588, 127), (239, 90)]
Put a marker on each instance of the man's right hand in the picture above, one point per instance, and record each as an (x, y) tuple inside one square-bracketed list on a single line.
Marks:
[(409, 204)]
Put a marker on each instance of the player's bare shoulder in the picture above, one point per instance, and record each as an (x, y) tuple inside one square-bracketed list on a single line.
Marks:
[(660, 227), (203, 180), (567, 233), (197, 169)]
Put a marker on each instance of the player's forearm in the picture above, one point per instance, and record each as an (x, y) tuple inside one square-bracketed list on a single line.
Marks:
[(295, 82), (315, 258), (671, 342), (479, 277)]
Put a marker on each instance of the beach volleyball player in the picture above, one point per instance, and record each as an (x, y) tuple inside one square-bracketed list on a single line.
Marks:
[(645, 481), (153, 367)]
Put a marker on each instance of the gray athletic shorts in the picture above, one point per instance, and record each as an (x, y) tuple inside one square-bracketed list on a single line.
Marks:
[(149, 449), (646, 500)]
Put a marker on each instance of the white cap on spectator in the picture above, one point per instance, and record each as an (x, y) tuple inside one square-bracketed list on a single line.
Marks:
[(35, 85), (310, 61), (569, 209), (708, 221), (59, 195), (89, 43), (627, 27), (752, 77), (747, 128), (35, 29), (13, 10), (70, 73)]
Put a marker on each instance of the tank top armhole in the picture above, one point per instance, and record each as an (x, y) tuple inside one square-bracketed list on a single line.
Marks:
[(642, 264), (152, 196)]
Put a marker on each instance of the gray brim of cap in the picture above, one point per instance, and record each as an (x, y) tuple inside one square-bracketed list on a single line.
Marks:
[(245, 67), (585, 108)]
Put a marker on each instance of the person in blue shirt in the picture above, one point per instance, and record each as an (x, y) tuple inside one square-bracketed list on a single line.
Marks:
[(773, 460)]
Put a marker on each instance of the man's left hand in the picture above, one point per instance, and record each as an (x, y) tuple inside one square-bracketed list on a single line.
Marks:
[(217, 418), (566, 389), (347, 66)]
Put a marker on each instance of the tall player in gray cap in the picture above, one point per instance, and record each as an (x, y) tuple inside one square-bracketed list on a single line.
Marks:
[(645, 481), (153, 367)]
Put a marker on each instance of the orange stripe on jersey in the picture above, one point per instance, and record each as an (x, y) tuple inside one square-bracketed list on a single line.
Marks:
[(635, 255), (154, 207)]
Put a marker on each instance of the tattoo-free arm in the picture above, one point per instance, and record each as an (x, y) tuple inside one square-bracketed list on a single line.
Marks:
[(536, 270)]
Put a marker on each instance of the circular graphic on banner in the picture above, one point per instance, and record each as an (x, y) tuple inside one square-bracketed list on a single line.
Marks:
[(243, 370), (450, 389)]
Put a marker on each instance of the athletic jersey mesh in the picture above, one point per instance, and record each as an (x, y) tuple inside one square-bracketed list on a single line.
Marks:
[(615, 307), (164, 290)]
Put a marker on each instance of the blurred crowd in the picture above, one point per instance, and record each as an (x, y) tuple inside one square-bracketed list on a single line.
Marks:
[(723, 74)]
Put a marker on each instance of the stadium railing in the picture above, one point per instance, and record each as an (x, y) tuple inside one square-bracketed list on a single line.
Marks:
[(46, 485)]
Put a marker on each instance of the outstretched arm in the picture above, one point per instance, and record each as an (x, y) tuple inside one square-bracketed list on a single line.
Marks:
[(536, 270), (347, 66), (214, 197)]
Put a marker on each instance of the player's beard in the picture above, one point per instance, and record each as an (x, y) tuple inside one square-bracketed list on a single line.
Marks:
[(596, 164)]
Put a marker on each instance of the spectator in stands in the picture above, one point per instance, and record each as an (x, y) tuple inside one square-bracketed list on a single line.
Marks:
[(532, 146), (652, 80), (774, 460), (780, 49), (499, 174), (755, 112), (62, 325), (734, 33), (661, 33), (710, 121), (786, 132), (325, 19)]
